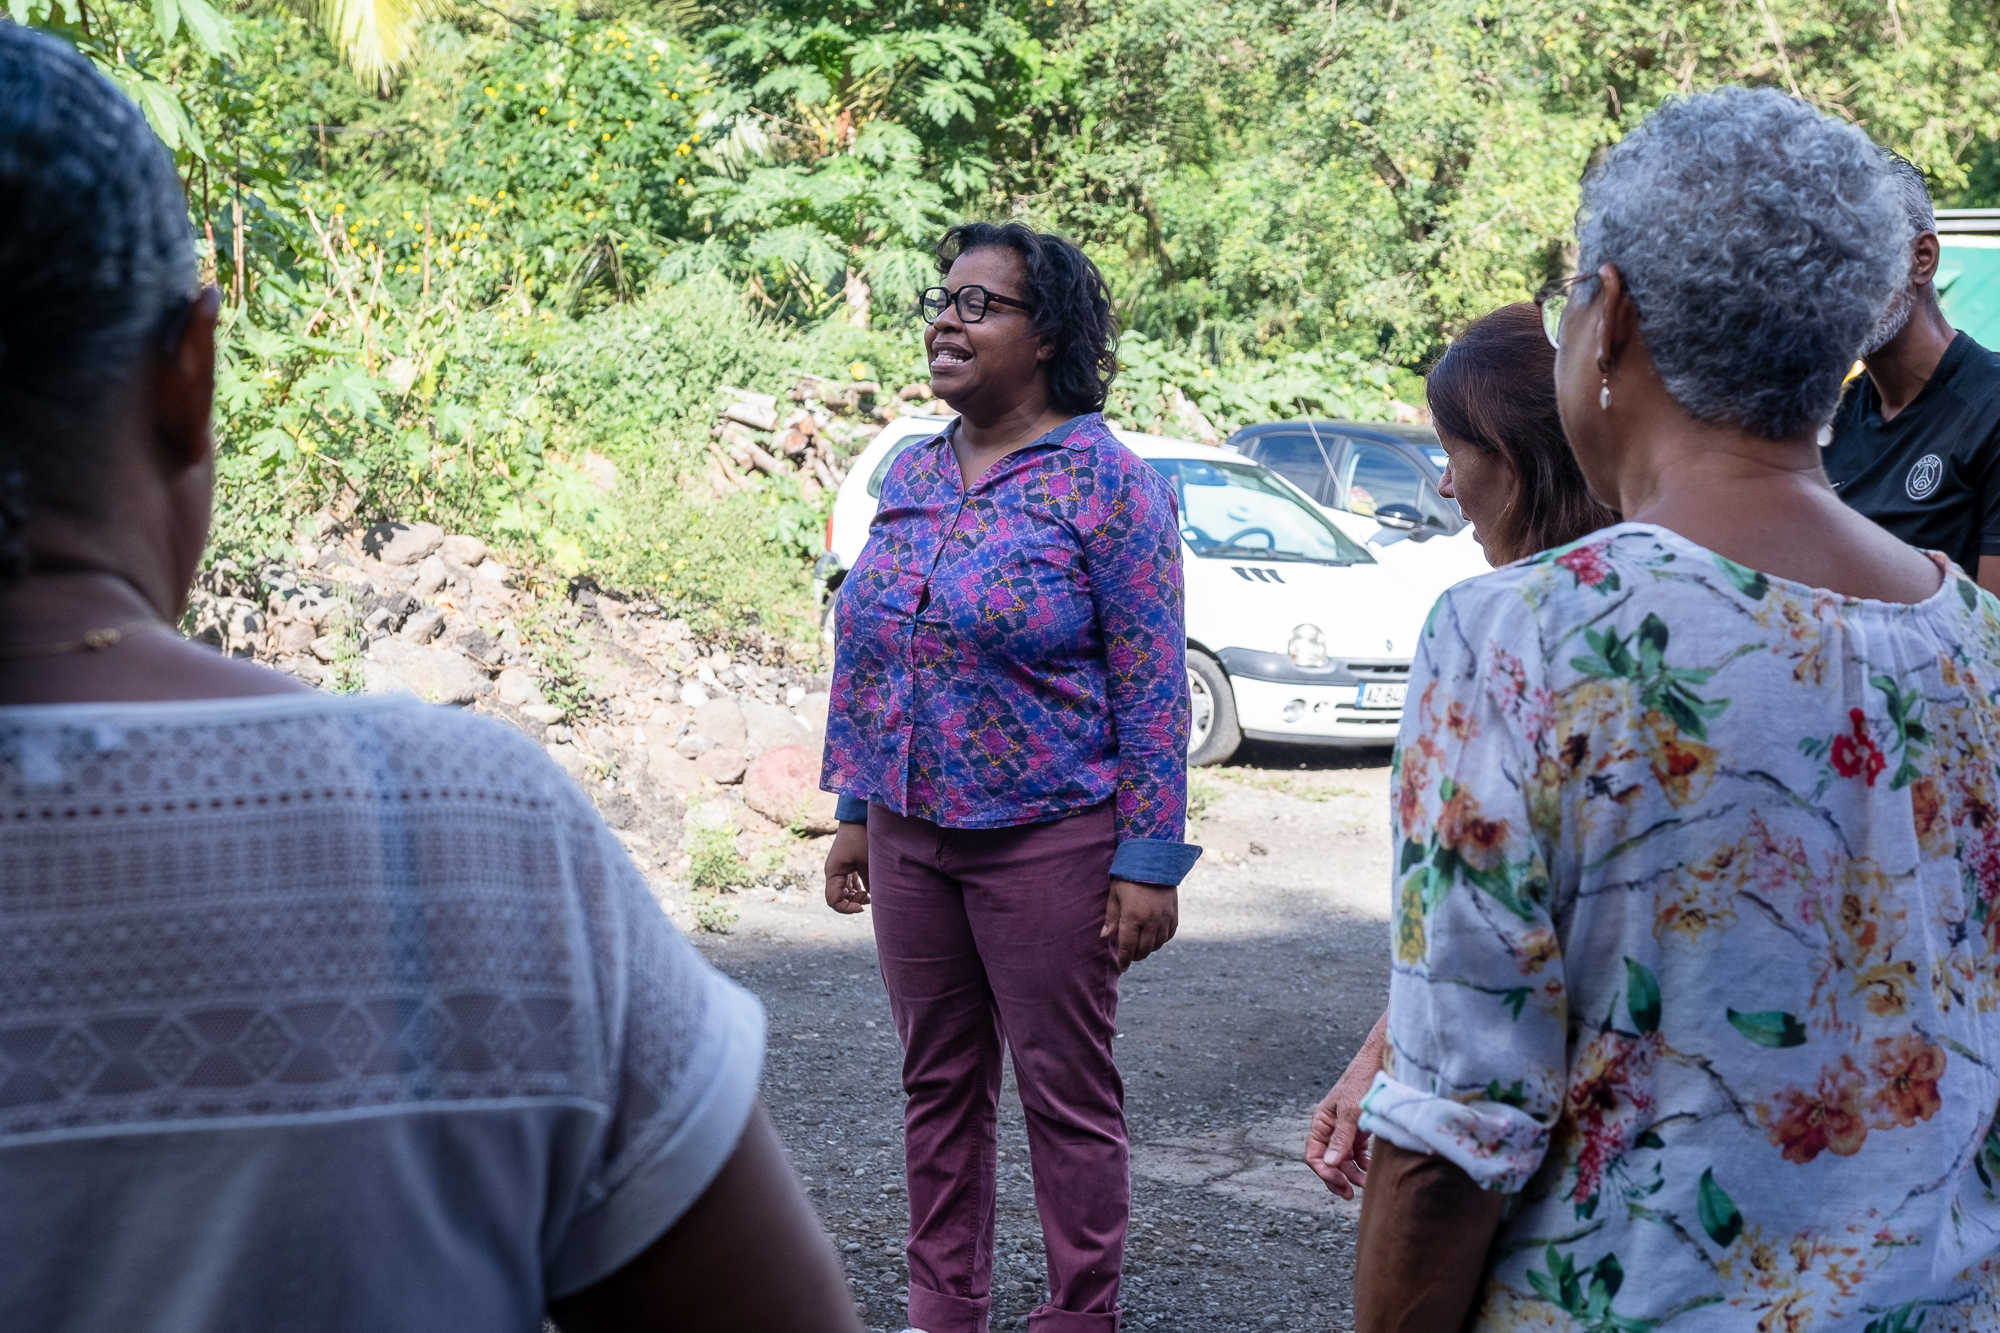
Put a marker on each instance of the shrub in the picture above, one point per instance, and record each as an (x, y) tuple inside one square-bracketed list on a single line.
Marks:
[(712, 914), (714, 864)]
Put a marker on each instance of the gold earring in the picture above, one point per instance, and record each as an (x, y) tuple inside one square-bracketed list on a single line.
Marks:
[(1604, 395)]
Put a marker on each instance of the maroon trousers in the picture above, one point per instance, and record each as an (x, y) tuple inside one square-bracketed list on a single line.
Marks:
[(985, 936)]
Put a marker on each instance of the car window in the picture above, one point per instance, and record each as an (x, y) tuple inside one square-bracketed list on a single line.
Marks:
[(1440, 511), (1238, 511), (1300, 460), (1374, 475), (896, 451)]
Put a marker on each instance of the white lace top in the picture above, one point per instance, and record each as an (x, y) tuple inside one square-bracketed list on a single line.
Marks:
[(334, 1014)]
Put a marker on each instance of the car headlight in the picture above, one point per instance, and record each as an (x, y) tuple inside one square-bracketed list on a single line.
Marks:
[(1307, 647)]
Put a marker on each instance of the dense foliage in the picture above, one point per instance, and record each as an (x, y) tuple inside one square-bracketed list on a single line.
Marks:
[(525, 236)]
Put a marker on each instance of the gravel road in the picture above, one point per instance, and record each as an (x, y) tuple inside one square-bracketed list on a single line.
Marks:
[(1227, 1039)]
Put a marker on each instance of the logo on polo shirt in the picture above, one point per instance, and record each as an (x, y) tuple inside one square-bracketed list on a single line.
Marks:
[(1924, 477)]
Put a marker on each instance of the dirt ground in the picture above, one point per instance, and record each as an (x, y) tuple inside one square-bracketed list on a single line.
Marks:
[(1227, 1039)]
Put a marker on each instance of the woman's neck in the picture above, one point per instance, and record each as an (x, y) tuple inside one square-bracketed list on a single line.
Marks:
[(1767, 505), (51, 605), (982, 442)]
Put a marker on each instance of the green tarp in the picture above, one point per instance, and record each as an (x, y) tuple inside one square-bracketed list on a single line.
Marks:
[(1968, 283)]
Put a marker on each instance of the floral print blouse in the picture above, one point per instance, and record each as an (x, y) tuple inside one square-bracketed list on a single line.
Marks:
[(1015, 651), (1697, 942)]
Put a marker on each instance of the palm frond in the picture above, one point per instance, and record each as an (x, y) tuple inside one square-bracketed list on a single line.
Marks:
[(377, 38)]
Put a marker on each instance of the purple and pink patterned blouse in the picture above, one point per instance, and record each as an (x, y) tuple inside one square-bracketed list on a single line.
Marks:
[(1016, 652)]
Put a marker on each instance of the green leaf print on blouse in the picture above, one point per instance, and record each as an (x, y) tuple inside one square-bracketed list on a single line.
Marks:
[(1770, 1027), (1717, 1211), (1642, 997), (1987, 1162), (1641, 658), (1905, 1318), (1748, 581), (1585, 1294), (1906, 721), (1466, 843)]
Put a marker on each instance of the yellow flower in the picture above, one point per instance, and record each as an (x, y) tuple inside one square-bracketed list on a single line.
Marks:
[(1886, 986), (1682, 768), (1538, 948), (1697, 903), (1410, 945), (1932, 818)]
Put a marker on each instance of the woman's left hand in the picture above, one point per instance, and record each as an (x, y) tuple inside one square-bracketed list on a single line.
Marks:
[(1336, 1147), (1143, 917)]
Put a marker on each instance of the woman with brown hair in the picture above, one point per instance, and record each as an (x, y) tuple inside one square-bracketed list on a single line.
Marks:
[(1493, 400)]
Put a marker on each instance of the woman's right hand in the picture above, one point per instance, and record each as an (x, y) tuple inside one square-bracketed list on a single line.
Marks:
[(847, 869), (1336, 1146)]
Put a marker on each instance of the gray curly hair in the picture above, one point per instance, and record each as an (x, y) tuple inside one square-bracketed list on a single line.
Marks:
[(96, 258), (1760, 241)]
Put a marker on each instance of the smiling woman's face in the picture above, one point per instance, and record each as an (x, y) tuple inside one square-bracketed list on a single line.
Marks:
[(997, 361), (1485, 486)]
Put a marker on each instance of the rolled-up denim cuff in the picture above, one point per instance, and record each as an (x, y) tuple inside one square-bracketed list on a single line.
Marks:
[(850, 810), (1154, 861)]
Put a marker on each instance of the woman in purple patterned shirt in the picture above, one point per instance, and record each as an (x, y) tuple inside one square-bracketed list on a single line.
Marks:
[(1008, 737)]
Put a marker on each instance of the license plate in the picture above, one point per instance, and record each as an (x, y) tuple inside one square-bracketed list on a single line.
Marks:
[(1383, 696)]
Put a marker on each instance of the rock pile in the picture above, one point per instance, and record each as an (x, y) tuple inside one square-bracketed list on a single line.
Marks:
[(647, 717)]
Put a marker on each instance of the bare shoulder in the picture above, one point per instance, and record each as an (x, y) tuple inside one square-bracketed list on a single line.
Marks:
[(140, 668), (234, 677)]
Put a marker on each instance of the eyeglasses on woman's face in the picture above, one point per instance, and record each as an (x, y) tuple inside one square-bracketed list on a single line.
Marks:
[(1553, 300), (972, 301)]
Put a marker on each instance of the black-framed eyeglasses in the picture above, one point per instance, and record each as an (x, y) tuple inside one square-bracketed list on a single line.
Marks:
[(1553, 299), (972, 301)]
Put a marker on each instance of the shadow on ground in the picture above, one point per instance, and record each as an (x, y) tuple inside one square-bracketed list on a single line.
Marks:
[(1227, 1039)]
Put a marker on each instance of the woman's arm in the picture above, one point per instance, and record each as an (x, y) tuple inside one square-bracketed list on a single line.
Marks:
[(1421, 1254), (748, 1254), (1133, 559), (1336, 1145)]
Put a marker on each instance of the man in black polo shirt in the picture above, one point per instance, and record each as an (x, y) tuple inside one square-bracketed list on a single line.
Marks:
[(1916, 443)]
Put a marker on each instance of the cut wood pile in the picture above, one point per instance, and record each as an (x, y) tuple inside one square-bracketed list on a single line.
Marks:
[(808, 436)]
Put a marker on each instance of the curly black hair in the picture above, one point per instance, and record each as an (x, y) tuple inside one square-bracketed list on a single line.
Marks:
[(1072, 305)]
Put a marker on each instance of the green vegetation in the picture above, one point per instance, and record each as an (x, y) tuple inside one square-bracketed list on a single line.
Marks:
[(715, 866), (480, 258), (1299, 785), (712, 914)]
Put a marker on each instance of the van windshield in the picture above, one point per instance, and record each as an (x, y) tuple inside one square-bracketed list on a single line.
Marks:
[(1239, 511)]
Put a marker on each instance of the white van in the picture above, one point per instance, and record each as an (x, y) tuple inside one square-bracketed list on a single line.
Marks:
[(1295, 631)]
